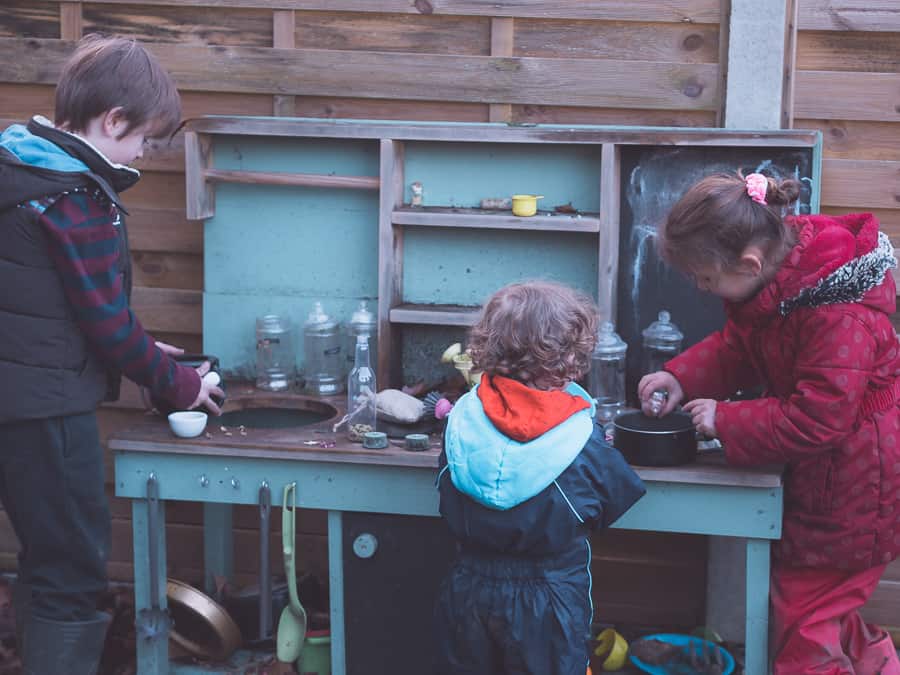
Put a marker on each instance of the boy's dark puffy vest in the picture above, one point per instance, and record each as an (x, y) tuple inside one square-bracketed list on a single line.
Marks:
[(46, 366)]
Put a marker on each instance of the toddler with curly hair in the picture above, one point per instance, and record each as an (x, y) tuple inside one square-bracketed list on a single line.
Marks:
[(525, 476)]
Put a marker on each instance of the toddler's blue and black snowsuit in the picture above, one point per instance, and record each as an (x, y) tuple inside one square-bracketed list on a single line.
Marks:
[(518, 599)]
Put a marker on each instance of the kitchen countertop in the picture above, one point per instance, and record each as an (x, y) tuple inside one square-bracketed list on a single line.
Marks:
[(308, 443)]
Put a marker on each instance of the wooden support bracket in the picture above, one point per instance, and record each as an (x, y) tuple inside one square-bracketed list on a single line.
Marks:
[(201, 197)]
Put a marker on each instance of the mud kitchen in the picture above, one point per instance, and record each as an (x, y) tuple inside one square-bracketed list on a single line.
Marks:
[(300, 211)]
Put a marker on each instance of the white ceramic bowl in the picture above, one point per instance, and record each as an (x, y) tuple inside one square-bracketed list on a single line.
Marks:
[(187, 423)]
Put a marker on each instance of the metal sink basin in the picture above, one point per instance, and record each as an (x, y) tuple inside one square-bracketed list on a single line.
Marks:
[(276, 412)]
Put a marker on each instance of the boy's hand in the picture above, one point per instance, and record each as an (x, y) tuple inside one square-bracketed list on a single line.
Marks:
[(170, 349), (207, 390), (703, 415), (654, 382)]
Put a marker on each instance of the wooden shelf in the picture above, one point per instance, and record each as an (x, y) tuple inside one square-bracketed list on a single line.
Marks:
[(295, 179), (437, 216), (434, 315)]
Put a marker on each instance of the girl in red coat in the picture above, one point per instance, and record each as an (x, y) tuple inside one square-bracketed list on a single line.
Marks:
[(808, 301)]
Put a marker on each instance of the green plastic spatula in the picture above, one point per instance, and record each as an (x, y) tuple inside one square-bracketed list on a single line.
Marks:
[(292, 624)]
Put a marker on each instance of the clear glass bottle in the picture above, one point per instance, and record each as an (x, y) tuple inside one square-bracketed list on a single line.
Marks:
[(361, 390), (662, 341), (362, 322), (323, 363), (606, 379), (275, 354)]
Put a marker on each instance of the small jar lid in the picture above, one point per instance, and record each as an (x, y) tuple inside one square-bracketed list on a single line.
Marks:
[(663, 333), (609, 343), (375, 440), (363, 319), (318, 320), (417, 442)]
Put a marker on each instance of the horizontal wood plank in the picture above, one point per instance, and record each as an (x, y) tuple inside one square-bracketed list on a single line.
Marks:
[(168, 269), (184, 547), (22, 100), (858, 15), (154, 189), (889, 218), (606, 83), (130, 399), (848, 96), (499, 220), (23, 18), (164, 229), (861, 184), (851, 139), (413, 130), (857, 51), (196, 103), (553, 38), (191, 344), (411, 33), (434, 315), (336, 107), (882, 607), (686, 11), (179, 23), (168, 310), (295, 179), (549, 114)]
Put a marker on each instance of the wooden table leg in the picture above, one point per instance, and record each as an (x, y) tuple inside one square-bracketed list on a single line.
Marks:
[(336, 593), (153, 651), (757, 617), (218, 545)]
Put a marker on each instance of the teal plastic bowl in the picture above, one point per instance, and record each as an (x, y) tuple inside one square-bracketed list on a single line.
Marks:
[(689, 642)]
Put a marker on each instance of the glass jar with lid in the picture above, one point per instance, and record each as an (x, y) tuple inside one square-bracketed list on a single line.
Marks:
[(323, 361), (362, 322), (662, 341), (606, 379), (275, 354)]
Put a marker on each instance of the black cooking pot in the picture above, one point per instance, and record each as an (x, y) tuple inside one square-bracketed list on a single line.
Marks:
[(655, 441)]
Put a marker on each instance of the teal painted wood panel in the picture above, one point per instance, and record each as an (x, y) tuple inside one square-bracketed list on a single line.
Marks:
[(465, 267), (342, 156), (462, 174), (339, 486), (229, 321), (286, 240), (277, 249)]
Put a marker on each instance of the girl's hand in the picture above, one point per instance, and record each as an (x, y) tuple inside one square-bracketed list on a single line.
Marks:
[(654, 382), (703, 415), (207, 391), (171, 350)]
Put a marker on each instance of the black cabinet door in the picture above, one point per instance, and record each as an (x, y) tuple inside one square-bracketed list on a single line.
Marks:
[(389, 597)]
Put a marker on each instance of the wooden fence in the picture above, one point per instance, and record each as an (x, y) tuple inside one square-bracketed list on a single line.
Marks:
[(652, 62)]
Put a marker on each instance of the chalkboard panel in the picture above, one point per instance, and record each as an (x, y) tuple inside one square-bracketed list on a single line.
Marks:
[(653, 179)]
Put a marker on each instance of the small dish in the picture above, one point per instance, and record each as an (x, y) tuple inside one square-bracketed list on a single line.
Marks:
[(690, 646), (187, 423)]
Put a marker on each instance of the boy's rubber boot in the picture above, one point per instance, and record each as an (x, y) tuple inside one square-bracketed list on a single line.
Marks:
[(21, 599), (64, 647)]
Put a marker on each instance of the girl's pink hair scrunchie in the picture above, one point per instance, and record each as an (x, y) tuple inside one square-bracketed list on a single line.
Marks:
[(757, 186)]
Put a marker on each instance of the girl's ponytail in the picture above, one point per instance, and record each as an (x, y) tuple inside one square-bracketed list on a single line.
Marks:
[(718, 217), (782, 192)]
